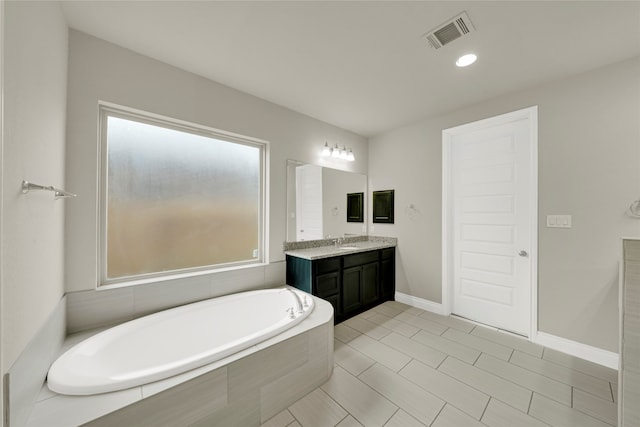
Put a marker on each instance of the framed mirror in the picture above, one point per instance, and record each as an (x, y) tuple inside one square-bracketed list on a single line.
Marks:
[(318, 205)]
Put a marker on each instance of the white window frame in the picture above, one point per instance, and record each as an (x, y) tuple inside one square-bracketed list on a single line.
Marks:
[(112, 110)]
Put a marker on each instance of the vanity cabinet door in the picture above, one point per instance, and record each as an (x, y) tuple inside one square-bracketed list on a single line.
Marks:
[(370, 283), (388, 273), (351, 289)]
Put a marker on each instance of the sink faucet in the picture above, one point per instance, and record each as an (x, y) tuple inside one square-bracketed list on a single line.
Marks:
[(338, 242)]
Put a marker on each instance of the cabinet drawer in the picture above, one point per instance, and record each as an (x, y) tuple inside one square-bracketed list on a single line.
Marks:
[(361, 258), (388, 253), (327, 265), (327, 284)]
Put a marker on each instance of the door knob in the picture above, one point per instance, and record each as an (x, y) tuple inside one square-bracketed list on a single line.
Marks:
[(523, 253)]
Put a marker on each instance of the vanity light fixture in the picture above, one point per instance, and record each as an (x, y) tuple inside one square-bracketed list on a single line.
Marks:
[(466, 60), (336, 152)]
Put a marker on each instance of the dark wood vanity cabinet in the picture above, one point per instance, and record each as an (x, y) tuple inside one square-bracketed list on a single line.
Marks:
[(351, 283)]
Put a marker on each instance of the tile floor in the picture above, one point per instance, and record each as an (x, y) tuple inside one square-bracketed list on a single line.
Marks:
[(397, 365)]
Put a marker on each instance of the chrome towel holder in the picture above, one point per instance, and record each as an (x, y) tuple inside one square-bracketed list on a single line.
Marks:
[(57, 193)]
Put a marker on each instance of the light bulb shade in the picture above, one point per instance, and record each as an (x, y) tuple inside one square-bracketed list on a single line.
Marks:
[(350, 156), (343, 153), (326, 151), (336, 152)]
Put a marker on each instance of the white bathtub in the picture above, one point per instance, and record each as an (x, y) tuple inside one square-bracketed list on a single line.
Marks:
[(173, 341)]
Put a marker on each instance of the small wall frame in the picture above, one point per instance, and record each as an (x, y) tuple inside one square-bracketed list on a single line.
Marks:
[(383, 206), (355, 207)]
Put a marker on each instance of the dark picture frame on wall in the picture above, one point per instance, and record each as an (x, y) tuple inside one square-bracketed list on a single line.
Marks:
[(355, 207), (383, 206)]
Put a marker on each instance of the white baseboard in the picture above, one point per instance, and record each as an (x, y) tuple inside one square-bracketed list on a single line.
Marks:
[(423, 304), (574, 348)]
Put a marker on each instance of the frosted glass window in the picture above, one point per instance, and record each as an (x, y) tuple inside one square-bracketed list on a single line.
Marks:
[(177, 199)]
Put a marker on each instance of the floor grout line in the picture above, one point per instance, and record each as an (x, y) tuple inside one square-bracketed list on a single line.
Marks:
[(485, 409), (542, 372)]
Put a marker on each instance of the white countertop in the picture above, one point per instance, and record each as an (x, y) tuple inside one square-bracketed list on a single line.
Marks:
[(345, 249)]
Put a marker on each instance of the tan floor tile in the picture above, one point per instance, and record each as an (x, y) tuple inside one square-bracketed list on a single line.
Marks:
[(479, 344), (449, 321), (387, 356), (452, 417), (581, 365), (533, 381), (421, 352), (454, 392), (394, 325), (403, 307), (349, 421), (422, 323), (369, 328), (452, 348), (387, 310), (361, 401), (344, 333), (367, 314), (283, 419), (350, 359), (500, 414), (556, 414), (508, 392), (408, 396), (593, 385), (317, 409), (509, 340), (601, 409), (402, 419)]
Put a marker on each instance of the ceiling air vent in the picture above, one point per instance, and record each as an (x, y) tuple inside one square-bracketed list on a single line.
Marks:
[(450, 31)]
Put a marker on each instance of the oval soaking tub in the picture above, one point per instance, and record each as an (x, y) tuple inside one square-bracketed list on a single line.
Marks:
[(173, 341)]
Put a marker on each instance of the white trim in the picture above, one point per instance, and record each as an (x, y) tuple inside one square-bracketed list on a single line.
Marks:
[(106, 110), (574, 348), (530, 114), (423, 304)]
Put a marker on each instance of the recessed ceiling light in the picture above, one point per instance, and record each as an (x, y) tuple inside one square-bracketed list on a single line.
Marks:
[(466, 60)]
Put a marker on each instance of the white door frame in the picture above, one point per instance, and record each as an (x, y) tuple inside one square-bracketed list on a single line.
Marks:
[(530, 114)]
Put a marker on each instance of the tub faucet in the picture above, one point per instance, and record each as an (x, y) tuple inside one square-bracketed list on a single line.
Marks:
[(299, 304)]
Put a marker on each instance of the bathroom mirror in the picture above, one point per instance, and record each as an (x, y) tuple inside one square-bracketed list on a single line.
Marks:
[(317, 202)]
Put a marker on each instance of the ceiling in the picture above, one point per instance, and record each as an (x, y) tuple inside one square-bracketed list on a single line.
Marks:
[(364, 65)]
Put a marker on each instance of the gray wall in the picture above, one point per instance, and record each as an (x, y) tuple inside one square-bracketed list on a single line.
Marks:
[(102, 71), (35, 81), (589, 151)]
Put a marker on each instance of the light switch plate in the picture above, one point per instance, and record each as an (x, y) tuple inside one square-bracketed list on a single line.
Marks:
[(559, 221)]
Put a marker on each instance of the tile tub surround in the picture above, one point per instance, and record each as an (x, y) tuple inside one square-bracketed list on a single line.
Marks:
[(24, 379), (318, 249), (87, 310), (246, 388), (399, 366)]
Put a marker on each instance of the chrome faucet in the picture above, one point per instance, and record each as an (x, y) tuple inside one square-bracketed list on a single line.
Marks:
[(299, 303), (338, 242)]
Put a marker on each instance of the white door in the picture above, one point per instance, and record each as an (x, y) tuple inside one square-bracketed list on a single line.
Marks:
[(492, 234)]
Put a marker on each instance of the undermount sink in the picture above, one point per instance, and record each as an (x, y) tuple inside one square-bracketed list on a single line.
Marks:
[(348, 248)]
